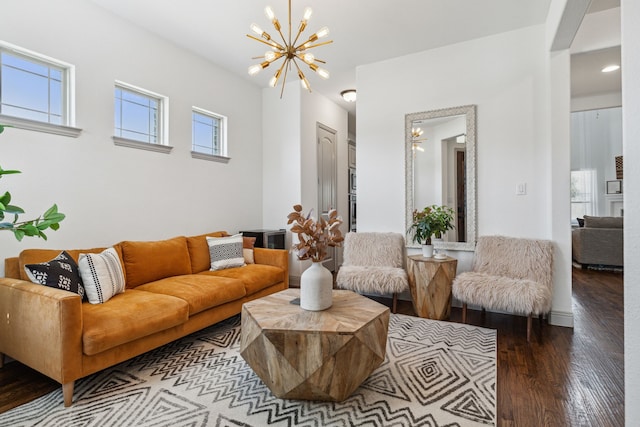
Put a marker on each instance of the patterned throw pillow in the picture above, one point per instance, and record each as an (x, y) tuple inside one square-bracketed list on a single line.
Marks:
[(102, 275), (61, 272), (225, 252)]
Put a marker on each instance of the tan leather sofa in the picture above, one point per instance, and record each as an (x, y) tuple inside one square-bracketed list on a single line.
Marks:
[(170, 293)]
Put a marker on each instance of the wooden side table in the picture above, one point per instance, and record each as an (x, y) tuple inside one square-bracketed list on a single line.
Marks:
[(430, 283)]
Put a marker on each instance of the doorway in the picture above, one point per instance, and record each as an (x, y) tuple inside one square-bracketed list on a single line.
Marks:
[(327, 181)]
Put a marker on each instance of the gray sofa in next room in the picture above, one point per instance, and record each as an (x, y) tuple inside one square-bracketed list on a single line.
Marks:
[(599, 241)]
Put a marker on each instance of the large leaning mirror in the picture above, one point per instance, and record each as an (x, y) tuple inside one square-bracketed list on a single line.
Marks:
[(440, 167)]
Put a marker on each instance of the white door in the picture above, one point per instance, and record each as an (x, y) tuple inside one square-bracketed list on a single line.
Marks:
[(327, 180)]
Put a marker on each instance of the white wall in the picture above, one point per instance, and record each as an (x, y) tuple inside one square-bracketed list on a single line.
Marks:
[(506, 76), (631, 150), (290, 165), (112, 193), (282, 176)]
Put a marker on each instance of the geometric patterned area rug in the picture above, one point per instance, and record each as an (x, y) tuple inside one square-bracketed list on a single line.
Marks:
[(435, 374)]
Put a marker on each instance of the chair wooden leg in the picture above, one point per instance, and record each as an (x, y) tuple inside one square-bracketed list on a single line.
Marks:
[(464, 313), (529, 321), (394, 304), (67, 393)]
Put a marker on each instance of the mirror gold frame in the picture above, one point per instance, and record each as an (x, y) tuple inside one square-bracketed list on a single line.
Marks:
[(470, 173)]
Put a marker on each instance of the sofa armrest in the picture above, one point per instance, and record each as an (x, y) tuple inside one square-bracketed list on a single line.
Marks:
[(275, 257), (42, 327)]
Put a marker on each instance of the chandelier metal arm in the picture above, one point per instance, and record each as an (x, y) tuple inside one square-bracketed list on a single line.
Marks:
[(311, 46), (298, 55), (269, 43)]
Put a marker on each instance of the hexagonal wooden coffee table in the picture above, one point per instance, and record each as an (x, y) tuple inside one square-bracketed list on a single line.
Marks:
[(314, 355)]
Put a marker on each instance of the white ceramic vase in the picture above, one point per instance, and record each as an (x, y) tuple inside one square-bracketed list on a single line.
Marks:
[(316, 287), (427, 251)]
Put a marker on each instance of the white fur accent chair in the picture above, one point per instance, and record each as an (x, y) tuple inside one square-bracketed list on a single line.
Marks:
[(374, 262), (509, 274)]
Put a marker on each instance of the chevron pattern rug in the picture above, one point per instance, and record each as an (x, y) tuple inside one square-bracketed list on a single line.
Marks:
[(435, 374)]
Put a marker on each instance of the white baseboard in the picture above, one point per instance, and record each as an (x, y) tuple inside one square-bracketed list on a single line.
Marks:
[(561, 318)]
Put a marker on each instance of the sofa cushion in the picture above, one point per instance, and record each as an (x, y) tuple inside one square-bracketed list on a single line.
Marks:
[(102, 275), (254, 276), (60, 272), (33, 256), (199, 251), (200, 292), (603, 221), (146, 262), (128, 316)]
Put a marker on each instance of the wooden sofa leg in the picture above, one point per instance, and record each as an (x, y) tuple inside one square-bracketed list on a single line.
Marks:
[(394, 304), (464, 312), (529, 321), (67, 393), (1, 360)]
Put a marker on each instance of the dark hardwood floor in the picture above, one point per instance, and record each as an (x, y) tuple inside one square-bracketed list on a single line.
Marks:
[(564, 377)]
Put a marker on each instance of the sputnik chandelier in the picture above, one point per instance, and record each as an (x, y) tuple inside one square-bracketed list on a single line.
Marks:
[(416, 133), (289, 49)]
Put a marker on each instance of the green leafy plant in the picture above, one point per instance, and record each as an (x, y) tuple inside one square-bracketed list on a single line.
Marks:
[(32, 228), (314, 236), (431, 221)]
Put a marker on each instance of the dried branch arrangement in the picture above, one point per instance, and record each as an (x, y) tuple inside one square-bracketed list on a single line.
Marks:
[(314, 237)]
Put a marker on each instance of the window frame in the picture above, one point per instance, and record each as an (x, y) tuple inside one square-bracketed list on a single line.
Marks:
[(590, 195), (162, 144), (68, 111), (222, 157)]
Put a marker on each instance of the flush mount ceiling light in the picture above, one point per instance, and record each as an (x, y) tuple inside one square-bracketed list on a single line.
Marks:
[(610, 68), (349, 95), (289, 50)]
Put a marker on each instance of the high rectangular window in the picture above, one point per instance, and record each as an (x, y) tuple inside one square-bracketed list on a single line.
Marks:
[(208, 133), (34, 87), (138, 115)]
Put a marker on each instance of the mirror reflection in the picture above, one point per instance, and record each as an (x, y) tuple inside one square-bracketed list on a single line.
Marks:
[(440, 169)]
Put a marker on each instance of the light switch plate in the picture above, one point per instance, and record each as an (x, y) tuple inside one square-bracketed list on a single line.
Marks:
[(521, 189)]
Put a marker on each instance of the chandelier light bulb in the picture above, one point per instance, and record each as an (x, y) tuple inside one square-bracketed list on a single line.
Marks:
[(308, 58), (303, 81), (323, 73), (254, 69), (274, 80), (269, 13), (307, 14), (256, 29), (322, 32), (269, 55)]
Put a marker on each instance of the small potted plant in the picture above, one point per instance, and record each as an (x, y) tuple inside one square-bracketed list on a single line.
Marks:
[(431, 221)]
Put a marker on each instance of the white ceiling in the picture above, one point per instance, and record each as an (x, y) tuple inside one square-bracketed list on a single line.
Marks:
[(364, 31)]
